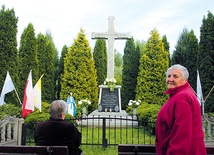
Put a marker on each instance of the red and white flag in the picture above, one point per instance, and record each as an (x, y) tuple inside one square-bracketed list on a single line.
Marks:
[(28, 104)]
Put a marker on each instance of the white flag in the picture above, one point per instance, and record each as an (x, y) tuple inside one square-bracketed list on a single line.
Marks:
[(8, 87), (199, 90)]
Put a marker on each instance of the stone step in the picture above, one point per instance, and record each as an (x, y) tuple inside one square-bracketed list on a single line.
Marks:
[(113, 119)]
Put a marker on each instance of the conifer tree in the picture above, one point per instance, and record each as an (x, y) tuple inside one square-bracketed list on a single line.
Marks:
[(185, 53), (61, 68), (45, 49), (27, 57), (100, 58), (55, 63), (206, 60), (130, 71), (153, 65), (80, 76), (166, 47), (8, 50)]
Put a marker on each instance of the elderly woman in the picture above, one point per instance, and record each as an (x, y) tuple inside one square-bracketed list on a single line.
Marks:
[(58, 132), (179, 124)]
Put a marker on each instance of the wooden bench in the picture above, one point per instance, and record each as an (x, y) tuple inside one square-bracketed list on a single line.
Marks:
[(34, 150), (137, 149)]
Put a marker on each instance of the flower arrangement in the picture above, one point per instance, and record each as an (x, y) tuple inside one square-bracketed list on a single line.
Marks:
[(134, 103), (84, 103), (111, 83)]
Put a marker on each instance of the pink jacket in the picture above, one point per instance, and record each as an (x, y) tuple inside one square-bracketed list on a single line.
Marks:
[(179, 124)]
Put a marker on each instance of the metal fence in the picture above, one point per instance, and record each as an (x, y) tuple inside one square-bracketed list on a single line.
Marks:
[(104, 131)]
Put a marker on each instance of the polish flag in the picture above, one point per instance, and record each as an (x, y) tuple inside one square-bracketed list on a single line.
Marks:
[(28, 104)]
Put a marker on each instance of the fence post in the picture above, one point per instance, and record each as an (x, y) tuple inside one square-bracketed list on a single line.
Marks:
[(21, 121), (23, 141), (104, 143)]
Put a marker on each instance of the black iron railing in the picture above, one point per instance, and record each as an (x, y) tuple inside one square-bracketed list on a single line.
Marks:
[(104, 131)]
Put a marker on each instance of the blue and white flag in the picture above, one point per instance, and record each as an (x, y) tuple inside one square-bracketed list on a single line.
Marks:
[(8, 87)]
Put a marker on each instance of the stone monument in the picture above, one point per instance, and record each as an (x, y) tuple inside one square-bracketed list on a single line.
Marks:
[(110, 101)]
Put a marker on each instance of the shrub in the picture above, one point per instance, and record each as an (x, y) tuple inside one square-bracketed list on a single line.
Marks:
[(10, 109)]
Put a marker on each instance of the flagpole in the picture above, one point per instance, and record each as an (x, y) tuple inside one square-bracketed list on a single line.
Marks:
[(202, 107), (18, 96), (209, 93)]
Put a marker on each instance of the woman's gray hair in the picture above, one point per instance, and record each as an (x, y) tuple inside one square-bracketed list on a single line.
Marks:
[(184, 71), (57, 108)]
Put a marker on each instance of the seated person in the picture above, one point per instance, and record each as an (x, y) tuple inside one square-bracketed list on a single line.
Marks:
[(57, 132)]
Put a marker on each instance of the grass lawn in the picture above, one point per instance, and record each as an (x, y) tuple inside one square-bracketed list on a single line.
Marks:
[(97, 150)]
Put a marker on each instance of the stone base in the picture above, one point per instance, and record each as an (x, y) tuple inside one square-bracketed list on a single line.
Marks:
[(122, 113), (113, 119)]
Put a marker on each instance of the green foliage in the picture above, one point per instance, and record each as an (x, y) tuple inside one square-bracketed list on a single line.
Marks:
[(10, 109), (100, 59), (130, 71), (205, 60), (80, 76), (8, 49), (48, 81), (185, 50), (27, 57), (148, 111), (153, 65), (118, 61), (52, 68), (166, 47), (61, 68), (37, 116)]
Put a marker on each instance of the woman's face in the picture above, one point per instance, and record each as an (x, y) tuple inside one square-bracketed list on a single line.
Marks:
[(174, 79)]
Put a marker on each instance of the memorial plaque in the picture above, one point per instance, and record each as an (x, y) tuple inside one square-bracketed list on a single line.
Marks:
[(109, 101)]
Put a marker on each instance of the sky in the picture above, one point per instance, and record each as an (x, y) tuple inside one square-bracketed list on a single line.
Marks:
[(64, 18)]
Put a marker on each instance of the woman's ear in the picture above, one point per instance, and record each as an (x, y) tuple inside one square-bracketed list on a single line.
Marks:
[(63, 115)]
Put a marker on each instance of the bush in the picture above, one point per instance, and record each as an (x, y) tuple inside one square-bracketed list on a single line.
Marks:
[(10, 109), (148, 111), (38, 116)]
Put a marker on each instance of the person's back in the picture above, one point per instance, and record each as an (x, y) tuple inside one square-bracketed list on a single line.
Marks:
[(57, 132)]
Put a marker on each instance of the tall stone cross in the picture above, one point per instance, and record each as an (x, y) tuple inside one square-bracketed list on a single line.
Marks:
[(111, 35)]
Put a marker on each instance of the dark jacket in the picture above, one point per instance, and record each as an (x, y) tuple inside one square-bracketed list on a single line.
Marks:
[(57, 132)]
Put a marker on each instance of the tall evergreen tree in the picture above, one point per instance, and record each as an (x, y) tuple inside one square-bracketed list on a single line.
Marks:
[(130, 71), (100, 58), (45, 49), (61, 68), (79, 72), (27, 57), (206, 60), (8, 49), (55, 65), (153, 65), (186, 50), (166, 47)]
